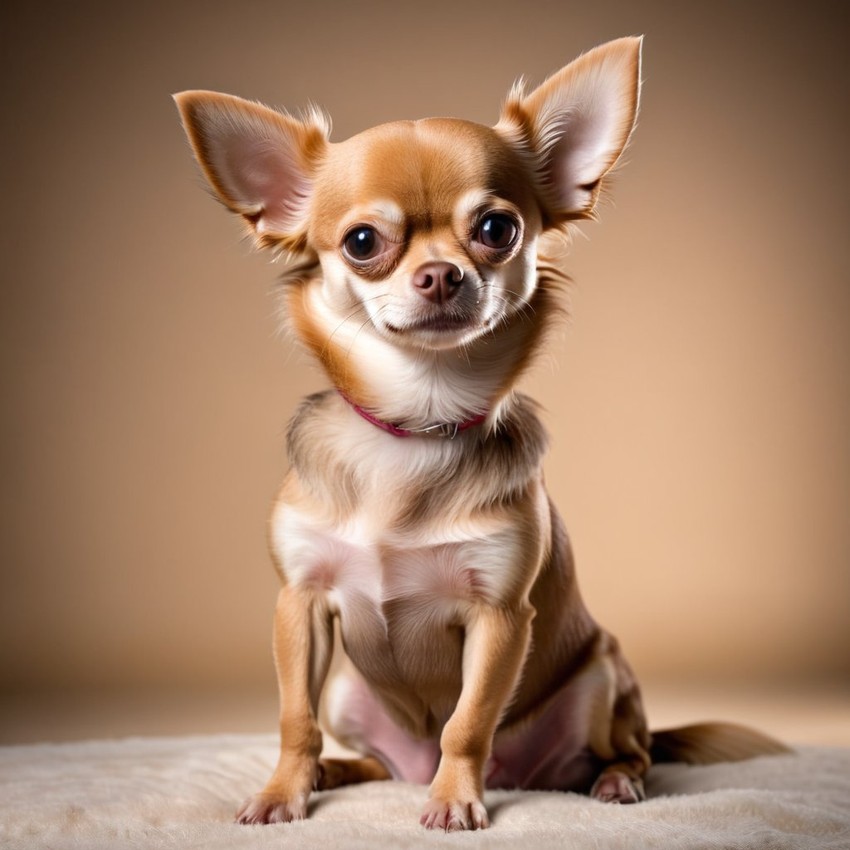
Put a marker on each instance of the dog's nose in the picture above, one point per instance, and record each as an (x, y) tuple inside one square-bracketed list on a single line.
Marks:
[(438, 282)]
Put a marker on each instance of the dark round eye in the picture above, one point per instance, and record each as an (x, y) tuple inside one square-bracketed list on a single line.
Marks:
[(497, 231), (362, 243)]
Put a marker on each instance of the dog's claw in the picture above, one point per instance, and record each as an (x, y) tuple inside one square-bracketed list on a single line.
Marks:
[(454, 815), (269, 808), (616, 787)]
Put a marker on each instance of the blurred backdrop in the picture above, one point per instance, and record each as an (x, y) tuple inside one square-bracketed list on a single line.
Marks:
[(699, 400)]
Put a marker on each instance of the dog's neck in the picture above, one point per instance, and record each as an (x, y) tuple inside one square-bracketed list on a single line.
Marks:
[(441, 429)]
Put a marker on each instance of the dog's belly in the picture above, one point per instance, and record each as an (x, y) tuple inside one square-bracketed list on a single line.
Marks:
[(549, 751)]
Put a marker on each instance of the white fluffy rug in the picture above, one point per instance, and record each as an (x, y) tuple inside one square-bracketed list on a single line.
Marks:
[(182, 792)]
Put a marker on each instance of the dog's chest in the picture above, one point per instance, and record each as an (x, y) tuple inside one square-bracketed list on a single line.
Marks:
[(359, 563), (401, 600)]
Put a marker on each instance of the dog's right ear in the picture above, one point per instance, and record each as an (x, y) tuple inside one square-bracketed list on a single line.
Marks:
[(259, 162)]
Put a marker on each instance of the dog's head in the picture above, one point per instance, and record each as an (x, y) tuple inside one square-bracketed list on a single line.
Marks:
[(425, 231)]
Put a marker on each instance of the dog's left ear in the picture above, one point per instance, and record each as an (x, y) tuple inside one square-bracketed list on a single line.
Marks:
[(575, 125)]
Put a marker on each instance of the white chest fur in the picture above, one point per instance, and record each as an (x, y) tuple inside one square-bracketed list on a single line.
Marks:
[(359, 562)]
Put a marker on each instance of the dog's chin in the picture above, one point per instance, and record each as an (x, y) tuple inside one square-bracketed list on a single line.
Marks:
[(437, 332)]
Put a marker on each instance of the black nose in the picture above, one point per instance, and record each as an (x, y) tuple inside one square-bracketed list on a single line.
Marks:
[(438, 282)]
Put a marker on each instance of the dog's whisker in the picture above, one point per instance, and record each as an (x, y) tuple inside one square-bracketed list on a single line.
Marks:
[(361, 307), (367, 321)]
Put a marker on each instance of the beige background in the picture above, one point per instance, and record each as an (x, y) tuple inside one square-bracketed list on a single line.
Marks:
[(699, 401)]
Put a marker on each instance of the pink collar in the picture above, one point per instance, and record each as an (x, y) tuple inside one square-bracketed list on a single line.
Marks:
[(443, 429)]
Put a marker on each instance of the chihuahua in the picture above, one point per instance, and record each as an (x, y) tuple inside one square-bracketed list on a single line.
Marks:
[(414, 513)]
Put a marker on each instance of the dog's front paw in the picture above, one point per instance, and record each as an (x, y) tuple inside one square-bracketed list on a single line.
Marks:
[(454, 815), (268, 807)]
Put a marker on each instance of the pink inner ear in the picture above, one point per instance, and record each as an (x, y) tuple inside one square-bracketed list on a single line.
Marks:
[(580, 158), (582, 119), (581, 155), (265, 180), (261, 177)]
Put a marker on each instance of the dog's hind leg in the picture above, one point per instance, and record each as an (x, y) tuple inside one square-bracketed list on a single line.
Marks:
[(619, 736), (621, 782), (336, 772)]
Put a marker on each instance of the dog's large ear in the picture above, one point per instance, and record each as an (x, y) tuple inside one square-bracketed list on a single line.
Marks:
[(575, 125), (259, 162)]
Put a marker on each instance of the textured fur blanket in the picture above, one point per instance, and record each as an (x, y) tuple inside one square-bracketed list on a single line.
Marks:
[(182, 793)]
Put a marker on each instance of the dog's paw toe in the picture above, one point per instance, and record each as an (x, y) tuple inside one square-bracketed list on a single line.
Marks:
[(271, 808), (616, 787), (454, 815)]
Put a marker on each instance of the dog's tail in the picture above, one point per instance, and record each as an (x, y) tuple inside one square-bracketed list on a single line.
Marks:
[(709, 743)]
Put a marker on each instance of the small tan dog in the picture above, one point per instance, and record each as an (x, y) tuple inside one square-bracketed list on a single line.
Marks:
[(415, 512)]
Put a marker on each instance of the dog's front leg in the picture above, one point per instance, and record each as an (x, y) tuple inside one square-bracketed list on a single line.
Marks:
[(496, 643), (303, 640)]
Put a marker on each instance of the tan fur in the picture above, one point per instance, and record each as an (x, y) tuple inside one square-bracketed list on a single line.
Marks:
[(326, 350), (707, 743), (468, 657), (333, 773)]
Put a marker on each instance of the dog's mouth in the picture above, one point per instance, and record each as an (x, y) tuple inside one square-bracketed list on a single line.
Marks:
[(434, 324), (460, 316), (467, 315)]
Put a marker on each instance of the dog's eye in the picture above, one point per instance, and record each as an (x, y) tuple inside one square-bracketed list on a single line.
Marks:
[(362, 243), (497, 231)]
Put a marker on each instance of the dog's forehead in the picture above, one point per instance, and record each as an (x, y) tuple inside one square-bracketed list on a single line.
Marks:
[(424, 167)]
